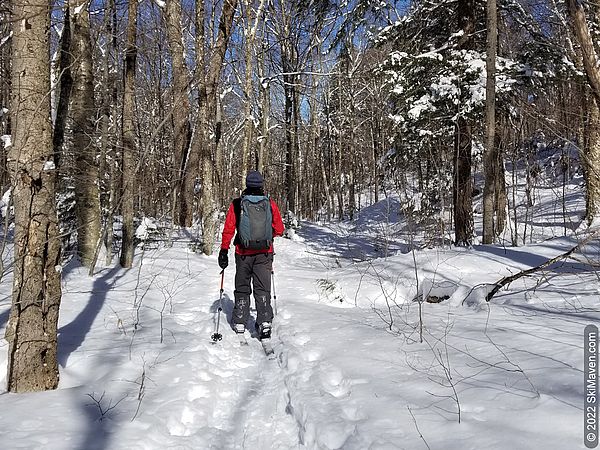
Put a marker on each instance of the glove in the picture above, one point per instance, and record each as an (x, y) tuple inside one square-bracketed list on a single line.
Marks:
[(223, 258)]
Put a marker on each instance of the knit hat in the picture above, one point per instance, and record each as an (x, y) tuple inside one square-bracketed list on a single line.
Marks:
[(254, 179)]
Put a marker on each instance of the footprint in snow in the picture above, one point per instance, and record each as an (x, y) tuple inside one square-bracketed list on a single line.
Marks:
[(301, 339), (198, 391), (182, 426), (312, 355), (203, 375), (353, 412)]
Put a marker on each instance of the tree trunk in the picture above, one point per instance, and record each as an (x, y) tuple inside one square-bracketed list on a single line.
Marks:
[(252, 20), (65, 85), (592, 70), (592, 161), (208, 83), (83, 114), (490, 155), (183, 199), (32, 328), (463, 184), (5, 58), (265, 97), (128, 183)]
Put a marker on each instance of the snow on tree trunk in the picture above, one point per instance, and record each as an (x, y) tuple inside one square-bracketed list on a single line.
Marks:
[(32, 328)]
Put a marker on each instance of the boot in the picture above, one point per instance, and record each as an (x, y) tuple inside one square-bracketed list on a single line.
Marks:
[(264, 330)]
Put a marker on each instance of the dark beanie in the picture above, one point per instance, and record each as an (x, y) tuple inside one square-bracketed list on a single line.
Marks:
[(254, 179)]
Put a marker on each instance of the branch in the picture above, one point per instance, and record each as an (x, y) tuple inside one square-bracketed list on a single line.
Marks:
[(507, 280)]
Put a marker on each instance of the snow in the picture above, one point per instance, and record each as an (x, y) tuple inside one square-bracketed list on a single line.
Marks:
[(5, 39), (5, 202), (146, 228), (49, 165), (138, 368), (79, 8), (6, 140)]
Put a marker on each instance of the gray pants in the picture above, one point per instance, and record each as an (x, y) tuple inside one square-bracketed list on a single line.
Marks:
[(258, 269)]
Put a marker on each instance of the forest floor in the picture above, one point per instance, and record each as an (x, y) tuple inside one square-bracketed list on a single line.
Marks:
[(354, 366)]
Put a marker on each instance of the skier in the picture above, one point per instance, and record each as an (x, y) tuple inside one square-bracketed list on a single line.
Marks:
[(255, 219)]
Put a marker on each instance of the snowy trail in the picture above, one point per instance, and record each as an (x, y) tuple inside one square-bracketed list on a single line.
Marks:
[(236, 397), (138, 343)]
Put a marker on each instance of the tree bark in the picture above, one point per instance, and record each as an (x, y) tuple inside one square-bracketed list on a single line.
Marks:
[(592, 70), (265, 110), (83, 114), (32, 327), (490, 155), (5, 58), (203, 149), (182, 198), (463, 183), (252, 20), (65, 85), (128, 184)]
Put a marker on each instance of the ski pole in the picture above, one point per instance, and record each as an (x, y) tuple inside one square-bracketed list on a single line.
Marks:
[(274, 293), (216, 335)]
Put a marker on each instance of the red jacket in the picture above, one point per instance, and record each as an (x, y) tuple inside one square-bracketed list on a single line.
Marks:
[(231, 225)]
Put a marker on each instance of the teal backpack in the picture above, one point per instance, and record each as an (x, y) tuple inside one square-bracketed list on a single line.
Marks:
[(255, 230)]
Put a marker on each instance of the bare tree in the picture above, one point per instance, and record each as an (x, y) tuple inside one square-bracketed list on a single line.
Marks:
[(491, 159), (127, 208), (83, 113), (592, 70), (182, 204), (252, 20), (32, 328), (206, 147), (463, 183), (5, 58)]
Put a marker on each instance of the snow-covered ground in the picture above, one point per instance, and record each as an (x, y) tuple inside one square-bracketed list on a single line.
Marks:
[(139, 370)]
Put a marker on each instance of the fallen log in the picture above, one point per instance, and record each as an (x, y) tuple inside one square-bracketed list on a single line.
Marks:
[(507, 280)]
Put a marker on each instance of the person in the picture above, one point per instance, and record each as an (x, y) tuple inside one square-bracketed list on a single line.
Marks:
[(253, 256)]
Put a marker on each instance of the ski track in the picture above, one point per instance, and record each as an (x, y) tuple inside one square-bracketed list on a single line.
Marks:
[(237, 398)]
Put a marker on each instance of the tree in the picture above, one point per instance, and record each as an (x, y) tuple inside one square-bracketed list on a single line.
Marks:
[(128, 182), (5, 58), (83, 115), (592, 71), (206, 147), (252, 22), (32, 328), (491, 157), (181, 115)]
